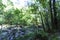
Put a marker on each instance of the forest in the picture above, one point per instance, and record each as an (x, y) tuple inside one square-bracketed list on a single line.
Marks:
[(29, 19)]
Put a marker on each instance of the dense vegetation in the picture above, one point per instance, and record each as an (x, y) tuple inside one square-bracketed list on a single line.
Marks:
[(38, 20)]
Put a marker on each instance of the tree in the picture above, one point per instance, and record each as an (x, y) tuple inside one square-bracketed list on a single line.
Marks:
[(53, 14)]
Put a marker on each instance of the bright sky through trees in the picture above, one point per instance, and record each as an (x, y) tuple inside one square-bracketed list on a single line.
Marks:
[(18, 3)]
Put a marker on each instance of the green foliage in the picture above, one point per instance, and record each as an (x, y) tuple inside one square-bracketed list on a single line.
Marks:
[(36, 13)]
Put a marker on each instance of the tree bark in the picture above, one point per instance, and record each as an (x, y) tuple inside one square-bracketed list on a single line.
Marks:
[(55, 15), (42, 21), (51, 13)]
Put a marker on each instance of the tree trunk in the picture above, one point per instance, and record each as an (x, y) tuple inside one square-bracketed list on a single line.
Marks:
[(53, 14), (42, 21)]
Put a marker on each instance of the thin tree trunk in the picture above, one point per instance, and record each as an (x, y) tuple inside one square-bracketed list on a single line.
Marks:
[(42, 21), (52, 22), (55, 15), (47, 24)]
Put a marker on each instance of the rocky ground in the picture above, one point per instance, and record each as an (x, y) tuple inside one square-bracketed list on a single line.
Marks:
[(13, 33)]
